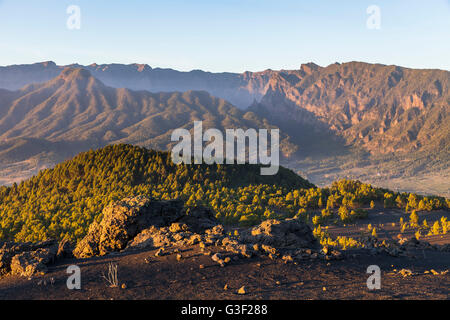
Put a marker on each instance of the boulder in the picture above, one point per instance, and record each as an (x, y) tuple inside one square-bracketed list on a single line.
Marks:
[(17, 257), (88, 246), (153, 238), (281, 234), (242, 290), (216, 257), (216, 231), (198, 219), (29, 263), (178, 227), (5, 261), (405, 272), (241, 249), (194, 239), (126, 220), (123, 220)]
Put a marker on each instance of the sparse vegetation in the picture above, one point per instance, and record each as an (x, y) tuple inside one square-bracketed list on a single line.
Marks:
[(111, 277), (341, 242)]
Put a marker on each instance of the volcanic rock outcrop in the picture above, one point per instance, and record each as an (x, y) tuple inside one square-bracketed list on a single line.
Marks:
[(288, 234), (27, 259), (140, 222), (124, 220)]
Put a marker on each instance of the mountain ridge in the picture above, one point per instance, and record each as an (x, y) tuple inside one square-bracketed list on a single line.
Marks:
[(350, 115), (381, 108), (78, 110)]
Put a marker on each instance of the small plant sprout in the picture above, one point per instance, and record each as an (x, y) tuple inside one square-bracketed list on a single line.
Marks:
[(111, 277)]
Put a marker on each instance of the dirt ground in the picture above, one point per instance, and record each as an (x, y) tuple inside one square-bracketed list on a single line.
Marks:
[(148, 277), (166, 278)]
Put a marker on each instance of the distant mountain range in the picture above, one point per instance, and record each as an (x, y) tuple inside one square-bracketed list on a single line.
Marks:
[(75, 111), (355, 110), (382, 108), (239, 89)]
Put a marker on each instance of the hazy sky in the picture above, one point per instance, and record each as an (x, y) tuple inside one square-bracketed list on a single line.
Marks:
[(226, 35)]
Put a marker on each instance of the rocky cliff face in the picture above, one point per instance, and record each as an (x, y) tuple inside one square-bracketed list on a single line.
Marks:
[(383, 109)]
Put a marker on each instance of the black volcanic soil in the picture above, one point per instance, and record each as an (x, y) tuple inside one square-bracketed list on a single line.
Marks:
[(166, 278)]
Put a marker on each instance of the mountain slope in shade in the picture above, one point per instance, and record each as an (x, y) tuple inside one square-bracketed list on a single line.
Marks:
[(77, 111)]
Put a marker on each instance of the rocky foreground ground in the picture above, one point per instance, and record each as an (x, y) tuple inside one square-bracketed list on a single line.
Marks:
[(164, 251)]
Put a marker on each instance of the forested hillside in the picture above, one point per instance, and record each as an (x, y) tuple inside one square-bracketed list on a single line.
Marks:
[(62, 202)]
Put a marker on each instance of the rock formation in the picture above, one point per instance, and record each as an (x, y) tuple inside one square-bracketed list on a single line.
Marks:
[(289, 233), (124, 220), (140, 222), (26, 259)]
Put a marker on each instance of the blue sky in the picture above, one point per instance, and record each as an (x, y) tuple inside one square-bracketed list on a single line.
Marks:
[(226, 35)]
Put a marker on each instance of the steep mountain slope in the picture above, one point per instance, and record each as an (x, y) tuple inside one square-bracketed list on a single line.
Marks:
[(382, 109), (75, 111), (385, 125)]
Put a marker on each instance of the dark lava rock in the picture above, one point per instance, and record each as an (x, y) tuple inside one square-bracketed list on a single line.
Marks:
[(124, 220)]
